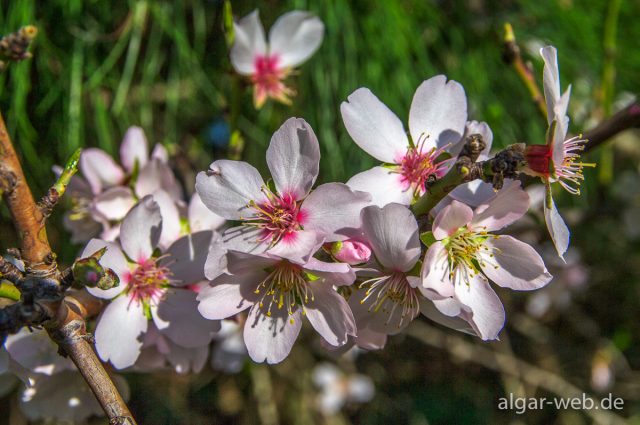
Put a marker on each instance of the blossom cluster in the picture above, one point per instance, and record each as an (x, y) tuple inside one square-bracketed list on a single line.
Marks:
[(246, 261)]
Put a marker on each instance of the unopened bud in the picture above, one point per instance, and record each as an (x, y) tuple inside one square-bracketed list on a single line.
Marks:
[(349, 251), (89, 272)]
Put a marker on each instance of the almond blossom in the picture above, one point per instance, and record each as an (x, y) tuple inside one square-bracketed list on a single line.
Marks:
[(279, 292), (294, 37), (106, 192), (559, 159), (464, 256), (151, 287), (288, 219), (436, 124)]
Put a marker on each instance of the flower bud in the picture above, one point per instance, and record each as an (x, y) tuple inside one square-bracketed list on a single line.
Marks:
[(349, 251)]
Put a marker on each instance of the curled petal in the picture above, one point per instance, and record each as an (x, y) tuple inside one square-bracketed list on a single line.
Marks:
[(141, 229), (294, 37), (134, 148), (450, 219)]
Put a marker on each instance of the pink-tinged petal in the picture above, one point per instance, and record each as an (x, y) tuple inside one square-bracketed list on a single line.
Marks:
[(113, 259), (513, 264), (384, 185), (438, 113), (229, 295), (228, 186), (557, 142), (298, 246), (483, 129), (558, 230), (473, 193), (450, 219), (157, 175), (100, 170), (487, 313), (293, 158), (160, 153), (119, 332), (294, 37), (201, 217), (435, 272), (141, 229), (186, 326), (321, 215), (171, 227), (248, 43), (350, 251), (373, 126), (186, 258), (429, 310), (369, 339), (114, 203), (508, 205), (338, 274), (393, 234), (330, 315), (134, 148), (270, 338), (216, 261)]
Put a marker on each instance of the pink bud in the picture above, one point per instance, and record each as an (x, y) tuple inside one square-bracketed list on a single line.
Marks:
[(350, 251)]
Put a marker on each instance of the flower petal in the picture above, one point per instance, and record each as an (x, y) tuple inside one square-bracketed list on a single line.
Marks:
[(100, 170), (450, 219), (321, 215), (555, 224), (293, 158), (373, 126), (119, 332), (187, 256), (228, 186), (141, 229), (438, 112), (330, 315), (551, 79), (337, 274), (229, 295), (114, 203), (393, 235), (298, 246), (508, 205), (157, 175), (294, 37), (435, 272), (201, 217), (248, 43), (513, 264), (473, 193), (270, 338), (429, 310), (245, 239), (487, 312), (171, 226), (384, 186), (186, 326), (134, 148)]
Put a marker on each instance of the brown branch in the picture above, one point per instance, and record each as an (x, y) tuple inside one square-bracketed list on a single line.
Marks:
[(42, 293), (624, 119)]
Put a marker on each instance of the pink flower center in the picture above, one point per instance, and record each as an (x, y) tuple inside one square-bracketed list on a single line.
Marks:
[(279, 217), (267, 78), (419, 165), (148, 281)]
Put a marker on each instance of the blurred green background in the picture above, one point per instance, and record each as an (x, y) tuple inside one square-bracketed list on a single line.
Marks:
[(101, 66)]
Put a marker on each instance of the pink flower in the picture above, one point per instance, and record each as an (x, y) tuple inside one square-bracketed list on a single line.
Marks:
[(279, 292), (288, 220), (292, 40), (559, 159), (436, 125), (151, 287), (106, 193), (465, 256)]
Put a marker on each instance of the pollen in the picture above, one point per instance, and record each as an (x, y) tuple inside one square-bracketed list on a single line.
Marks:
[(148, 281), (419, 165), (285, 287), (279, 217), (391, 295)]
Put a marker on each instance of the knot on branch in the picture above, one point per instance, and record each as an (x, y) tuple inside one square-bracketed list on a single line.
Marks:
[(506, 164)]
